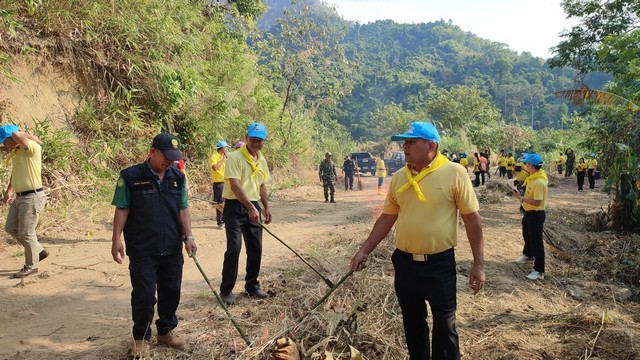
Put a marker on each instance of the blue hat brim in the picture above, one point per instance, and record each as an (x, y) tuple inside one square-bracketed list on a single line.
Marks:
[(405, 136)]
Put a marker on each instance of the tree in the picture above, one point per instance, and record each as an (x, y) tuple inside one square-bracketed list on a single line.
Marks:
[(598, 20), (462, 109)]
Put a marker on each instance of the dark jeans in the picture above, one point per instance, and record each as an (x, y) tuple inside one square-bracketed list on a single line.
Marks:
[(147, 274), (503, 171), (569, 169), (434, 281), (509, 174), (217, 197), (237, 226), (348, 181), (591, 174), (476, 180), (532, 228), (580, 180)]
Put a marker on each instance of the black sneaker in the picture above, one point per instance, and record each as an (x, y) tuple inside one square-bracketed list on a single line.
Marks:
[(43, 254), (258, 293), (228, 299)]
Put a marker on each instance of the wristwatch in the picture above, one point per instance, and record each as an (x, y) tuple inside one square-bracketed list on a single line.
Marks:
[(188, 237)]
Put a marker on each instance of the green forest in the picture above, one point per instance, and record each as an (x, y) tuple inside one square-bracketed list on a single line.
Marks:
[(205, 69)]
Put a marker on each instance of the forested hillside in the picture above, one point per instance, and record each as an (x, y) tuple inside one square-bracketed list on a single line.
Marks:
[(407, 65)]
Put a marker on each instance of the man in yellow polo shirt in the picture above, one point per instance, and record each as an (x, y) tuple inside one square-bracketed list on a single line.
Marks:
[(424, 199), (381, 171), (245, 177), (217, 163), (533, 202), (26, 184)]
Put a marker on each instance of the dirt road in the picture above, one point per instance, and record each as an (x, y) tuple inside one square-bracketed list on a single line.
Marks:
[(78, 306)]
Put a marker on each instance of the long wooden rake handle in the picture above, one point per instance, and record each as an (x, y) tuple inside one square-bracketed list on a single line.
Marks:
[(226, 310)]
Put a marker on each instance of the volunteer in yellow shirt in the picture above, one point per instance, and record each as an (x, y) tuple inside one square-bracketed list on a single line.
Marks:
[(464, 161), (424, 201), (591, 171), (26, 183), (581, 170), (533, 202), (511, 162), (217, 163), (502, 163), (245, 190), (381, 172), (559, 163)]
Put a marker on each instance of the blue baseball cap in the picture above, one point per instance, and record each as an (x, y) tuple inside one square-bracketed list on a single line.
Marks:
[(6, 131), (593, 155), (257, 130), (221, 144), (419, 130), (533, 159)]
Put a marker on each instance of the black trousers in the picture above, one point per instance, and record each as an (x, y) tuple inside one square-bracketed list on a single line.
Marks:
[(217, 197), (237, 226), (503, 171), (532, 228), (591, 174), (148, 274), (559, 169), (580, 180), (476, 180), (509, 174), (348, 181), (434, 281)]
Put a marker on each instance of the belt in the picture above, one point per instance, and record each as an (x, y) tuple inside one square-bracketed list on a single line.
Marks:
[(23, 193), (425, 257)]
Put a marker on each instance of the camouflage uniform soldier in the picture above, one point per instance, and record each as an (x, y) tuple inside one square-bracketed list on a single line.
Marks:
[(327, 174)]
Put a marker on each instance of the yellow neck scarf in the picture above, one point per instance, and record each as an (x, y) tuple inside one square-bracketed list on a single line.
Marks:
[(437, 163), (255, 166), (540, 174)]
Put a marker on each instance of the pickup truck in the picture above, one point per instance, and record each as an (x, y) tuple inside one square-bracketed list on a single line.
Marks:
[(395, 162), (365, 162)]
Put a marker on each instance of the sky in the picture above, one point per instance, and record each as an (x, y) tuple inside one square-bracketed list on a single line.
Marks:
[(524, 25)]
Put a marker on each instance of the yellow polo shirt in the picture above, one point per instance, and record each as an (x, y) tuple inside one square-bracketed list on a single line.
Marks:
[(511, 162), (26, 169), (536, 190), (431, 226), (237, 167), (521, 175), (465, 163), (593, 163), (216, 175), (502, 161)]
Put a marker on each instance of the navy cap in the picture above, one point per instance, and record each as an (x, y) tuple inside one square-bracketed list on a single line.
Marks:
[(419, 130), (6, 131), (257, 130), (534, 159), (221, 144), (169, 145)]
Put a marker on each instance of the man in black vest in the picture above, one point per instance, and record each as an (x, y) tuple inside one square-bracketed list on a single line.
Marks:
[(152, 211), (348, 168)]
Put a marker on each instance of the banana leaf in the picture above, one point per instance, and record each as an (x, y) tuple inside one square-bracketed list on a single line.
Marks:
[(580, 96)]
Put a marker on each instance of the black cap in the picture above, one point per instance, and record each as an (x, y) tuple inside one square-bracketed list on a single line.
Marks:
[(169, 145)]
